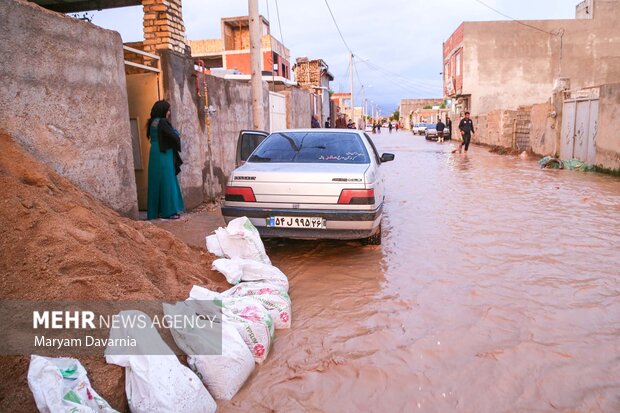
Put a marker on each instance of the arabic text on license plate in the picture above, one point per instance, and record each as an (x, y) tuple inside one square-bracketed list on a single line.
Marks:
[(296, 222)]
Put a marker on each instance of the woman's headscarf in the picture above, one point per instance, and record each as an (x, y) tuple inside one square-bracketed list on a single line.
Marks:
[(159, 110)]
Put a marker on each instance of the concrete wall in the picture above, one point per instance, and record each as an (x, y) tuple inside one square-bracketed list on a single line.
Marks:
[(608, 134), (232, 101), (64, 98), (188, 117), (507, 64), (542, 130), (497, 128), (298, 108)]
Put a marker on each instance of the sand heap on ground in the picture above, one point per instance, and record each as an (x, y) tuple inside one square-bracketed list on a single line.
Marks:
[(59, 243)]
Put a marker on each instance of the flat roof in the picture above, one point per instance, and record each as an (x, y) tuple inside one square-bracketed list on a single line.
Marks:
[(73, 6)]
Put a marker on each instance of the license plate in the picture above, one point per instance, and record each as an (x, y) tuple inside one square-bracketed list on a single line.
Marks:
[(296, 222)]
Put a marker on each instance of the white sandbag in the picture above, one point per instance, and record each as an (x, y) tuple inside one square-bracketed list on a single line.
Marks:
[(275, 301), (247, 315), (158, 383), (62, 385), (237, 270), (240, 239), (213, 246), (223, 373)]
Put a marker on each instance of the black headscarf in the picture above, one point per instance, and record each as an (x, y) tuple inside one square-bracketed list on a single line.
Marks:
[(167, 135), (159, 110)]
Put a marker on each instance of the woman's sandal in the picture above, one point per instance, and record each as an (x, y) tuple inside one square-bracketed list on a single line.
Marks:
[(174, 216)]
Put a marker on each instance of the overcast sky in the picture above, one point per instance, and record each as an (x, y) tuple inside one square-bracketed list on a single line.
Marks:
[(397, 43)]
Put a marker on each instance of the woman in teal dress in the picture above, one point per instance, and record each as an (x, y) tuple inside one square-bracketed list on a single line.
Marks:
[(164, 194)]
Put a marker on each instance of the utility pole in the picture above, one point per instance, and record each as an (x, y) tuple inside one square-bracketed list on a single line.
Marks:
[(258, 117), (351, 76), (363, 116)]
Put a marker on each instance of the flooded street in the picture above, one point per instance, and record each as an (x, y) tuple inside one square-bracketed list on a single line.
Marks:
[(496, 289)]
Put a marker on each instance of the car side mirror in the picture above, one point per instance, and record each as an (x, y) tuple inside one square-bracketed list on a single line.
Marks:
[(387, 157)]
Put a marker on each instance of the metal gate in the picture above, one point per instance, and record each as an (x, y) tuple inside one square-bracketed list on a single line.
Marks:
[(579, 125), (277, 111), (523, 124)]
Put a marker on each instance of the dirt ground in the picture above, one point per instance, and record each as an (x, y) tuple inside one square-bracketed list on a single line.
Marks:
[(59, 243)]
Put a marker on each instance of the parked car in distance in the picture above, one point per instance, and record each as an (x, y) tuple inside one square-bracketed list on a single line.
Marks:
[(431, 132), (368, 127), (419, 128), (309, 184)]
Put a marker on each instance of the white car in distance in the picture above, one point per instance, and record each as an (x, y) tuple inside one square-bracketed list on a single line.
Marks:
[(308, 184)]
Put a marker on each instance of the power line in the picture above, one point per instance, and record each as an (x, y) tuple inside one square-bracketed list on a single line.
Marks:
[(408, 83), (279, 24), (518, 21), (338, 28)]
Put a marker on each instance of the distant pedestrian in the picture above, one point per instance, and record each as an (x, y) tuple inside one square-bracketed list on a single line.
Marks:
[(350, 124), (379, 127), (314, 122), (466, 126), (374, 128), (390, 127), (449, 127), (397, 126), (164, 194), (328, 123), (439, 128), (341, 123)]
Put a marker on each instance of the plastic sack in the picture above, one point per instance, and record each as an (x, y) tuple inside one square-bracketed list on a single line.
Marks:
[(275, 301), (240, 239), (237, 270), (62, 385), (223, 374), (213, 246), (247, 315), (158, 383)]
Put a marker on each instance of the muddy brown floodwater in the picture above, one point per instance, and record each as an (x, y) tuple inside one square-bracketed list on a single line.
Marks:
[(496, 289)]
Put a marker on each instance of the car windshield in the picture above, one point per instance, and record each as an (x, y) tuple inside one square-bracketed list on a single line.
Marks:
[(311, 147)]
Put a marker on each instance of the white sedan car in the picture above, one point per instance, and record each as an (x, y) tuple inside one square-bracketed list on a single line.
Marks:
[(308, 183)]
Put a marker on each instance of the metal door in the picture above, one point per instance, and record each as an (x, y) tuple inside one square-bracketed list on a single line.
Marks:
[(277, 111), (579, 125), (568, 130), (582, 124), (592, 129)]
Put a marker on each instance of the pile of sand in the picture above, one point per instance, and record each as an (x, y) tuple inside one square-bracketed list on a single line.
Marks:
[(60, 243)]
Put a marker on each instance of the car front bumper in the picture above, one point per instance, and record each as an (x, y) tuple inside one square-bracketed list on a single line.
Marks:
[(339, 224)]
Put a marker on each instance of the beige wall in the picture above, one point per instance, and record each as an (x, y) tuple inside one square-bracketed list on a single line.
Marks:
[(64, 98), (507, 64), (542, 130), (608, 134)]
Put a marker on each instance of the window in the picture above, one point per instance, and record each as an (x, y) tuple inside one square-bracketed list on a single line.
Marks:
[(374, 149), (458, 63), (311, 147)]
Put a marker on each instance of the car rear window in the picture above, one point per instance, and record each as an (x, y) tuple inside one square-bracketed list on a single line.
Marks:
[(311, 147)]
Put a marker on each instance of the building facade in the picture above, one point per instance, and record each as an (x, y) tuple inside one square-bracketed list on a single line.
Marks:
[(314, 76), (232, 51), (505, 64), (410, 110)]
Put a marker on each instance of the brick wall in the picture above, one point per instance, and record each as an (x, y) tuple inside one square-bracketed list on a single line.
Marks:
[(163, 26), (495, 128)]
